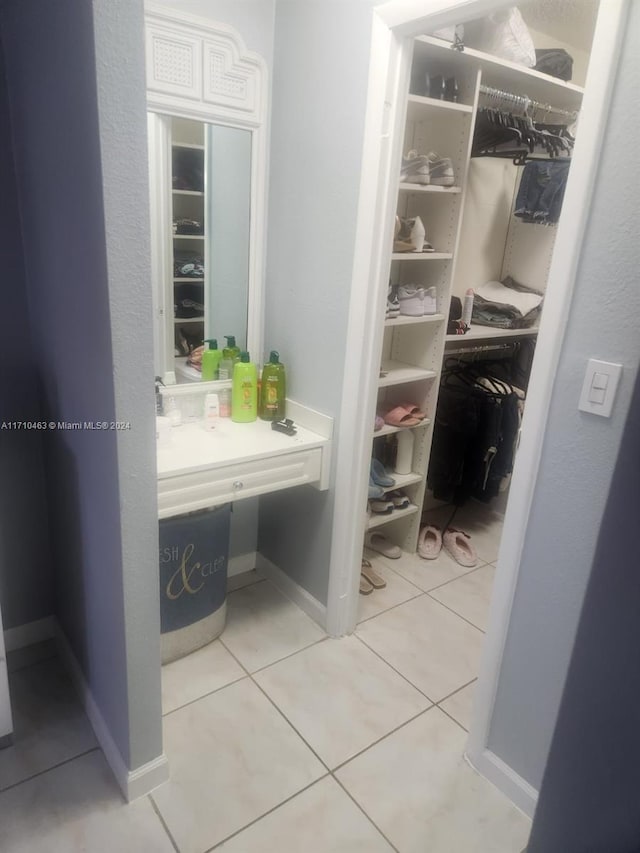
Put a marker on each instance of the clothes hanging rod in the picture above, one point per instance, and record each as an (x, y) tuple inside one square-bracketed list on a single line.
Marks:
[(525, 103), (477, 348)]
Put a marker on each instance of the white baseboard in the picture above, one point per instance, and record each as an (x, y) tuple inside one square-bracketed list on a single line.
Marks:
[(241, 564), (30, 633), (520, 792), (133, 783), (293, 590)]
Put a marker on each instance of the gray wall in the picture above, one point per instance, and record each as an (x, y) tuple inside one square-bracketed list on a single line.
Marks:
[(26, 589), (320, 76), (86, 252), (579, 450)]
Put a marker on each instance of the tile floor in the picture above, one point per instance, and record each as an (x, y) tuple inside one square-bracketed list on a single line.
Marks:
[(280, 739)]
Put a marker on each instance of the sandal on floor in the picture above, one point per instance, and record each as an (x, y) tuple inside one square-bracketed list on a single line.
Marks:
[(370, 574), (429, 542), (378, 542), (399, 417), (458, 545), (365, 586)]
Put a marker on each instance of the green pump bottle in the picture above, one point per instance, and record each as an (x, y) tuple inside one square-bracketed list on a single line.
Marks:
[(244, 391), (211, 360), (273, 389), (230, 355)]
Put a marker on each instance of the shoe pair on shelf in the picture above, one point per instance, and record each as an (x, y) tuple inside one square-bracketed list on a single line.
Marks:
[(390, 501), (402, 415), (393, 304), (417, 301), (410, 236), (427, 169), (441, 87), (456, 543)]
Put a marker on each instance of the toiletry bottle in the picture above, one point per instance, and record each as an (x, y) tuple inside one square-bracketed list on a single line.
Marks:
[(273, 391), (244, 392), (467, 307), (230, 355), (173, 412), (225, 402), (211, 410), (211, 360), (404, 454)]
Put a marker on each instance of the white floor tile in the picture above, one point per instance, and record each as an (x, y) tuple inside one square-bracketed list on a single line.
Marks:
[(197, 674), (77, 808), (469, 596), (395, 592), (432, 647), (50, 725), (263, 626), (233, 758), (322, 819), (424, 797), (340, 696), (460, 705), (427, 574), (483, 526)]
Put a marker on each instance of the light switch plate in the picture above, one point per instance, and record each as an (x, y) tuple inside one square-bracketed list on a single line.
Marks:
[(599, 387)]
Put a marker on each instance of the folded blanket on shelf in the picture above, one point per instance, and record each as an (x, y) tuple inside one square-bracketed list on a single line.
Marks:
[(506, 305)]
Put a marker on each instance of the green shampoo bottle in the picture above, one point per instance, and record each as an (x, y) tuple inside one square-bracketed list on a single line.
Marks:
[(244, 391), (211, 360), (274, 389)]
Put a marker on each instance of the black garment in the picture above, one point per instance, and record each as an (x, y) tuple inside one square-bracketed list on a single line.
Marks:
[(556, 62)]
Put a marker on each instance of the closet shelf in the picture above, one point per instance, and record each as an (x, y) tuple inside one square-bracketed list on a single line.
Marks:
[(378, 520), (397, 373), (387, 429), (190, 279), (428, 188), (421, 108), (502, 74), (421, 256), (188, 319), (195, 193), (404, 480), (411, 321), (487, 333), (188, 236), (192, 145)]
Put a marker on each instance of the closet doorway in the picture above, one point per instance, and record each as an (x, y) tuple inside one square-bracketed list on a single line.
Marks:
[(395, 28)]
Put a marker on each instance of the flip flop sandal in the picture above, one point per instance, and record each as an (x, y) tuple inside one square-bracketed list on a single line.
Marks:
[(400, 500), (381, 507), (399, 417), (370, 574), (429, 542), (378, 542), (413, 410), (457, 543), (365, 586), (379, 475)]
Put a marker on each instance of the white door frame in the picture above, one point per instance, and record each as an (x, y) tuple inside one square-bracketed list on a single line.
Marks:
[(6, 721), (393, 22)]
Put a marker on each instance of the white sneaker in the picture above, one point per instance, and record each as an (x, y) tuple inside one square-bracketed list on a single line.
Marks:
[(415, 169), (411, 299), (440, 170)]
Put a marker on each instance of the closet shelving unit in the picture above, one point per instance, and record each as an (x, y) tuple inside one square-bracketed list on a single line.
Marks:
[(413, 347)]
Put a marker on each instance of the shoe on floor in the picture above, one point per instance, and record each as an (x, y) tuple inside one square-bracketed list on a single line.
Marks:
[(458, 545), (415, 169), (441, 170), (370, 574), (429, 542), (378, 542), (365, 587)]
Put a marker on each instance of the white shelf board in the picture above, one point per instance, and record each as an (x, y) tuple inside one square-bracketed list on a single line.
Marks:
[(406, 186), (186, 278), (421, 108), (398, 373), (487, 333), (411, 321), (378, 520), (188, 320), (188, 236), (387, 429), (192, 145), (194, 193), (509, 76), (403, 480), (421, 256)]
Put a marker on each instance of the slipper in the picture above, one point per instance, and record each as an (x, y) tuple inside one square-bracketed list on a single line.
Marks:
[(375, 491), (413, 410), (429, 542), (457, 543), (379, 475), (378, 542), (382, 507), (370, 574), (365, 586), (399, 417), (400, 500)]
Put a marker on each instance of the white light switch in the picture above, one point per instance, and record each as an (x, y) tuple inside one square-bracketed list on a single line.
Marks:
[(599, 387)]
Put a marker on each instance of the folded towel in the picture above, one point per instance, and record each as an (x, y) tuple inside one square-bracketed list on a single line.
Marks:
[(522, 300)]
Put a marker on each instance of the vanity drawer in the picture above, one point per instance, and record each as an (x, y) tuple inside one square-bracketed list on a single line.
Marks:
[(188, 492)]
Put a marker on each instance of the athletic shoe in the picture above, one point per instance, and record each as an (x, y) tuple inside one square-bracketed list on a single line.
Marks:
[(415, 169), (440, 170)]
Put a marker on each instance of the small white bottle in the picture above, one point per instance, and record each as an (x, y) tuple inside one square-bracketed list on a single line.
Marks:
[(211, 411), (467, 307), (404, 454), (172, 411)]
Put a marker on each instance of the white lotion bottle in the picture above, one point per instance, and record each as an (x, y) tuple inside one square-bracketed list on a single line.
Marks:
[(404, 454), (211, 411), (467, 307)]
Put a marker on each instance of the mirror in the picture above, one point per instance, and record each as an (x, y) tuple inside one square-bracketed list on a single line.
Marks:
[(202, 212)]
